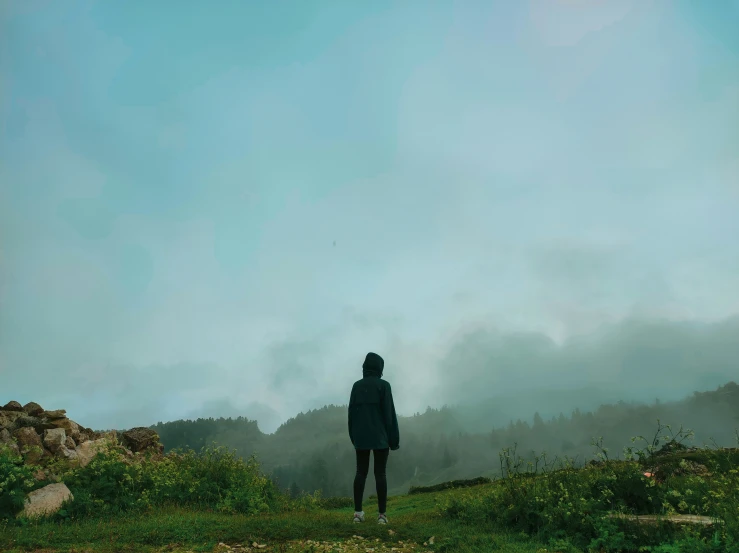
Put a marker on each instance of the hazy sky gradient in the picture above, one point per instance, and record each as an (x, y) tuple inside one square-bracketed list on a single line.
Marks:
[(173, 176)]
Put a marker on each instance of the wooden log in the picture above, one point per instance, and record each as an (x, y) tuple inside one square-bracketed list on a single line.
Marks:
[(676, 519)]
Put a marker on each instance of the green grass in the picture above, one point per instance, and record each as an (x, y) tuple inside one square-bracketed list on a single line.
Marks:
[(214, 501), (412, 519)]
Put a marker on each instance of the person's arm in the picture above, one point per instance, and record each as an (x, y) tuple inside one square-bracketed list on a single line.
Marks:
[(391, 419), (351, 404)]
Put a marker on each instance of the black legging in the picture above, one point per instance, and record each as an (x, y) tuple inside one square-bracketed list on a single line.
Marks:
[(363, 456)]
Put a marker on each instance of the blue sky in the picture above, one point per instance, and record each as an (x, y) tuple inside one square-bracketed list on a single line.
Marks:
[(173, 177)]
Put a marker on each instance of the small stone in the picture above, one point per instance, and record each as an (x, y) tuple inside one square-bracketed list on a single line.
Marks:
[(5, 437), (56, 414), (27, 437), (8, 418), (86, 451), (7, 440), (37, 423), (70, 427), (32, 408), (142, 439), (65, 453), (12, 406), (54, 439), (32, 454), (83, 437), (69, 443)]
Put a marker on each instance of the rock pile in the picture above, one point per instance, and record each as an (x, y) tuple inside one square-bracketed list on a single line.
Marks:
[(38, 434)]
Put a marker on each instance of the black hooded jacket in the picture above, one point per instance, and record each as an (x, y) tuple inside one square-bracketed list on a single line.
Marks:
[(373, 423)]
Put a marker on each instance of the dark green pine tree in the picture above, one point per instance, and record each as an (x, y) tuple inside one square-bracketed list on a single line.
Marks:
[(447, 459)]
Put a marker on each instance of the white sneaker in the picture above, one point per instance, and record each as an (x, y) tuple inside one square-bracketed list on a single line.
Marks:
[(359, 517), (381, 518)]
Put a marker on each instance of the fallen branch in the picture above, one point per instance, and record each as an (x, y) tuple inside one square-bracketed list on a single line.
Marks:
[(676, 519)]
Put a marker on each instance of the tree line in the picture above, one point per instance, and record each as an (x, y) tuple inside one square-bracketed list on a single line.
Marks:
[(311, 451)]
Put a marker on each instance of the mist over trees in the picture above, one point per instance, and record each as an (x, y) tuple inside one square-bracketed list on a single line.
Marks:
[(311, 451), (637, 359)]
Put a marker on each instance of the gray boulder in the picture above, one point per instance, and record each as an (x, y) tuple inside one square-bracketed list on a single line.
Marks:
[(39, 424), (7, 440), (5, 437), (71, 428), (87, 450), (56, 414), (32, 408), (142, 439), (69, 454), (27, 437), (8, 418), (46, 501), (54, 439)]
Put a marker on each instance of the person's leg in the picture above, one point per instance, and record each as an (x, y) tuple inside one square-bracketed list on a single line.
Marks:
[(361, 477), (381, 456)]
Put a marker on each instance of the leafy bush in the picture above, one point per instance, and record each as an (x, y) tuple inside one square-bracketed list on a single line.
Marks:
[(336, 502), (108, 484), (563, 503), (112, 483), (214, 478), (211, 479), (16, 480), (308, 502)]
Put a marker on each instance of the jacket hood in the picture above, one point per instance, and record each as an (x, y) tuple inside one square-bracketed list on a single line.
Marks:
[(373, 365)]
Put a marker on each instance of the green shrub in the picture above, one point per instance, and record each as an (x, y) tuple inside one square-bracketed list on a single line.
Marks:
[(336, 502), (213, 479), (305, 502), (563, 503), (16, 480), (108, 484)]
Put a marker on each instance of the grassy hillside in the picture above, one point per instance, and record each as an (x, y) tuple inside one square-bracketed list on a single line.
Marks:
[(215, 499), (413, 521), (556, 509)]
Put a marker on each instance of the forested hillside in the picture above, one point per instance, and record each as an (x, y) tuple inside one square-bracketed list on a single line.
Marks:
[(312, 451)]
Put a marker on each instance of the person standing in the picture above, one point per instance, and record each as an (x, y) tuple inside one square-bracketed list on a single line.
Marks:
[(373, 426)]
